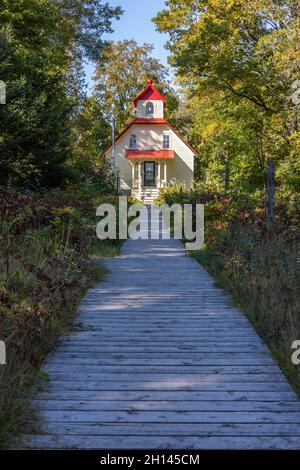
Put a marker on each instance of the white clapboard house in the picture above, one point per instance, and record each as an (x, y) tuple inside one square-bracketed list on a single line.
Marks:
[(150, 154)]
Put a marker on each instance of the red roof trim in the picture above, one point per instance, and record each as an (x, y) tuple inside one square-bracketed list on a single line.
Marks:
[(129, 153), (152, 121), (118, 137), (149, 121), (150, 93)]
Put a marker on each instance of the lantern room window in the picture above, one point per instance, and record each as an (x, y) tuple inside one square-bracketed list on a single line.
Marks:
[(149, 109)]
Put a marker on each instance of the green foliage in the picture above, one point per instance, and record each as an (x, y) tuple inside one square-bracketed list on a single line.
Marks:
[(263, 276), (30, 145), (178, 194), (42, 43), (122, 72), (47, 242), (90, 134), (237, 62), (260, 267)]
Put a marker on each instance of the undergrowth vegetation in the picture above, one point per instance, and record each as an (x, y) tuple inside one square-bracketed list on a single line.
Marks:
[(47, 242), (259, 265)]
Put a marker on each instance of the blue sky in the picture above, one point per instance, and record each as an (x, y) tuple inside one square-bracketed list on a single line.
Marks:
[(135, 23)]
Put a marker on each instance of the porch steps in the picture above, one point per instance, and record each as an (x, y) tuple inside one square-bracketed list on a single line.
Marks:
[(148, 195)]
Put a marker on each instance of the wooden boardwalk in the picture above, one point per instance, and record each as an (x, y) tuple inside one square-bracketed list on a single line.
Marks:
[(160, 358)]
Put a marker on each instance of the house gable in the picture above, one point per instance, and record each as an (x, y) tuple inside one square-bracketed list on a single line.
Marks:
[(148, 122)]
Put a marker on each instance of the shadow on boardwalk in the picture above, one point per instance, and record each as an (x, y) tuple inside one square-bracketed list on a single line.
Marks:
[(161, 359)]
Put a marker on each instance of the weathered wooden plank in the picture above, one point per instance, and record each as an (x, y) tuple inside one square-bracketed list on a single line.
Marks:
[(162, 339), (212, 377), (172, 347), (190, 306), (175, 405), (182, 355), (167, 429), (161, 442), (205, 314), (164, 318), (139, 334), (188, 385), (176, 395), (182, 299), (133, 315), (133, 416), (168, 343), (169, 338), (171, 327), (160, 369), (78, 360), (157, 309), (151, 327)]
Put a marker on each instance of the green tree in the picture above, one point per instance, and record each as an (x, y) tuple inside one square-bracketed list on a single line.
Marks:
[(122, 72), (238, 61), (91, 133), (38, 39)]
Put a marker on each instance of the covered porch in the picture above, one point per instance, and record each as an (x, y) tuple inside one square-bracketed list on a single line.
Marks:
[(149, 172)]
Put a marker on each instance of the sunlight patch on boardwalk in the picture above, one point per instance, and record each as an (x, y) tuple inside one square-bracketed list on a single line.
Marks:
[(160, 358)]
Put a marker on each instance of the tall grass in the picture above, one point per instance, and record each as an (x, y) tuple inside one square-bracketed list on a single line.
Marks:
[(263, 276), (47, 242), (257, 264)]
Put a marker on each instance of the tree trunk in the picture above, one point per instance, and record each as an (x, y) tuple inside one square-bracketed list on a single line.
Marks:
[(271, 193)]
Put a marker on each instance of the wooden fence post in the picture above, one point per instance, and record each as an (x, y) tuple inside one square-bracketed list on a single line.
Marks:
[(271, 193)]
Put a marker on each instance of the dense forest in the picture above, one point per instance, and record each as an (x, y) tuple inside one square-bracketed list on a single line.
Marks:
[(237, 100)]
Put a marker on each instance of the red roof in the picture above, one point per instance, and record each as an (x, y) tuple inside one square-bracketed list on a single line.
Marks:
[(129, 153), (150, 93)]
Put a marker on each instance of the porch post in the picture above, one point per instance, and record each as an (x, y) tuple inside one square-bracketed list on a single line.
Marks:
[(158, 175), (165, 172), (132, 173), (140, 178)]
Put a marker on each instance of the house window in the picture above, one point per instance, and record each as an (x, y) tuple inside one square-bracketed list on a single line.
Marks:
[(149, 108), (132, 142), (167, 141)]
